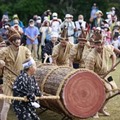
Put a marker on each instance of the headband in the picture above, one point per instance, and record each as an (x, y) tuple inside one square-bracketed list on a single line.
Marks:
[(28, 64)]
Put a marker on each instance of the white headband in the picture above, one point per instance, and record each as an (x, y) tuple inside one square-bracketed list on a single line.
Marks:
[(28, 64)]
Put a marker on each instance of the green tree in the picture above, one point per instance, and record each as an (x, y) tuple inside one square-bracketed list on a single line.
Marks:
[(24, 8), (27, 8), (76, 7)]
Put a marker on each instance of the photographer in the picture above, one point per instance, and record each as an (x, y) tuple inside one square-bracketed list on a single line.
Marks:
[(80, 24), (69, 24)]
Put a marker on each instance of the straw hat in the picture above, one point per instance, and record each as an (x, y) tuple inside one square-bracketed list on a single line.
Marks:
[(15, 16), (99, 12)]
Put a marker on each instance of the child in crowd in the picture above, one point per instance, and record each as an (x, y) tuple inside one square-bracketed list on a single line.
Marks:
[(115, 42)]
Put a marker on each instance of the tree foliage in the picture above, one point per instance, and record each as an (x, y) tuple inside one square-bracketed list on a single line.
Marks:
[(27, 8)]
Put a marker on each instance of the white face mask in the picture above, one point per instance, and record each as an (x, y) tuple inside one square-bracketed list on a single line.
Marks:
[(6, 26), (80, 20), (38, 21), (31, 25), (109, 16), (54, 18)]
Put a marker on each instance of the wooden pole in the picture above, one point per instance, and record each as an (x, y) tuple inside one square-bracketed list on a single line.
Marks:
[(11, 71), (111, 69), (118, 93)]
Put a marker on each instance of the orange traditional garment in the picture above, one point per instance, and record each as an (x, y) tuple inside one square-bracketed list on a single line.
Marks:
[(61, 54)]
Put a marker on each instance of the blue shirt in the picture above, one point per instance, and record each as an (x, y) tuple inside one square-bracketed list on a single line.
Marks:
[(32, 32)]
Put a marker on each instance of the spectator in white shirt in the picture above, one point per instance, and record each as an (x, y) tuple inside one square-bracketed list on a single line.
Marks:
[(80, 24), (115, 42), (69, 24)]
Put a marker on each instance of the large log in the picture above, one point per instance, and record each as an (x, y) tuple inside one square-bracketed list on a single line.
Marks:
[(81, 91)]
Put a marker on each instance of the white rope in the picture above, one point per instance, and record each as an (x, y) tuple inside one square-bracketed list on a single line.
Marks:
[(2, 96)]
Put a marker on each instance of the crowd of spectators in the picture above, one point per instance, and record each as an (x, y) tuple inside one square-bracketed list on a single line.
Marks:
[(38, 32)]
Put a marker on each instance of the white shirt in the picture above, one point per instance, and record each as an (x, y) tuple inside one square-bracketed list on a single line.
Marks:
[(80, 24), (55, 25), (70, 26), (115, 43)]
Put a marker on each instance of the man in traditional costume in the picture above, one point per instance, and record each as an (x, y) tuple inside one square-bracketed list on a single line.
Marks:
[(61, 51), (2, 44), (78, 52), (98, 60), (12, 57), (26, 86)]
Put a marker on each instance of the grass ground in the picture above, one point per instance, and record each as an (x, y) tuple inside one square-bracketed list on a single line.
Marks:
[(113, 106)]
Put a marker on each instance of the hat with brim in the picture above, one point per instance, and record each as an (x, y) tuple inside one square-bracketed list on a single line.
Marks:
[(15, 16), (67, 16), (31, 20), (54, 14), (99, 12)]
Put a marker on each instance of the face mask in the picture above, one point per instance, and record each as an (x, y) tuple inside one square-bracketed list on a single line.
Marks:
[(54, 18), (109, 16), (31, 25), (38, 21), (105, 29), (80, 20), (6, 26)]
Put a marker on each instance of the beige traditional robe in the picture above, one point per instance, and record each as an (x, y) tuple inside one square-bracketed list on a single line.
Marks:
[(79, 54), (14, 61), (2, 45), (61, 54), (99, 64)]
